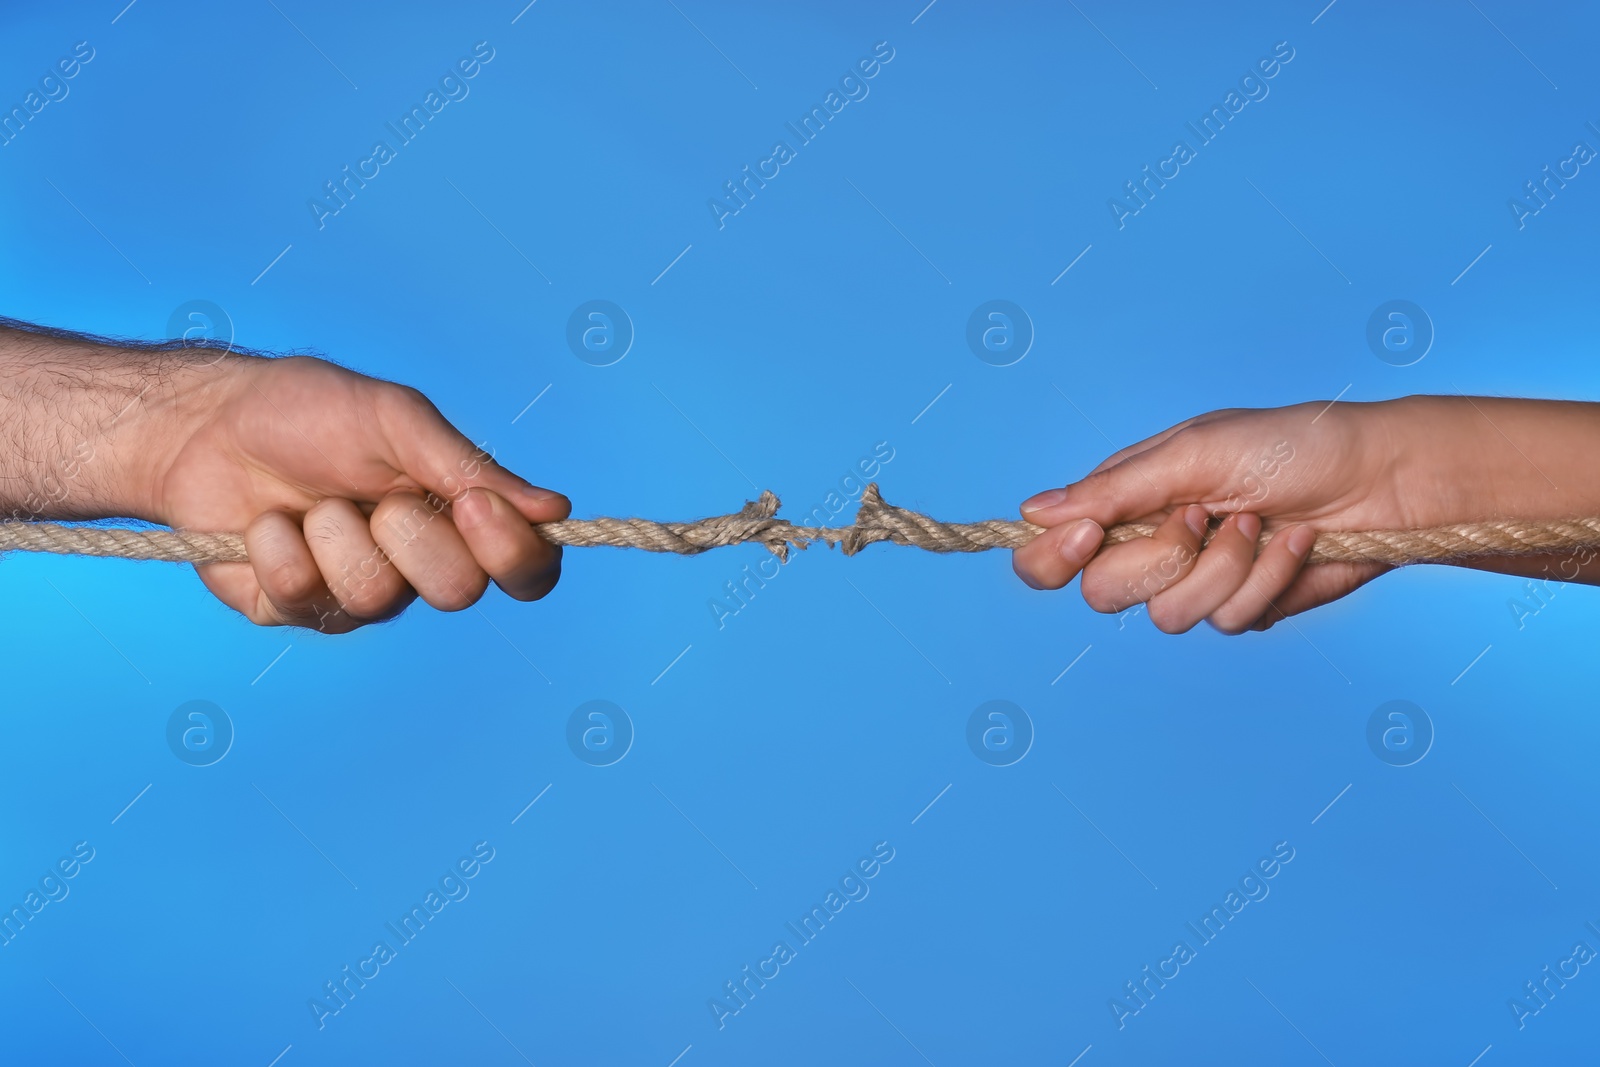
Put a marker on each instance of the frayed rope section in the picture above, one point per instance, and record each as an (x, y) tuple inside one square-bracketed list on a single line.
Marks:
[(875, 521)]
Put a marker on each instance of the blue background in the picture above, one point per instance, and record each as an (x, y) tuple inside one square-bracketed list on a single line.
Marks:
[(826, 715)]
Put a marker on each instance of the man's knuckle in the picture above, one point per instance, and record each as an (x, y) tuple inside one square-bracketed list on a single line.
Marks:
[(451, 588), (1168, 619), (1101, 594), (324, 526), (264, 612), (454, 599), (1230, 624), (540, 589), (367, 599), (292, 580), (405, 400), (512, 560)]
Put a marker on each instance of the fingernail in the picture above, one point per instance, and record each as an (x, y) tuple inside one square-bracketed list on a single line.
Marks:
[(1081, 542), (1047, 499), (1194, 517), (1248, 524), (472, 509), (1301, 538)]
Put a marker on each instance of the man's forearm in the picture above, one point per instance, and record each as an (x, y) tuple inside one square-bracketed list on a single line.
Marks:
[(81, 423)]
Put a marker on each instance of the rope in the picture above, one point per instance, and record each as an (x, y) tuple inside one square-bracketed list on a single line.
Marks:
[(875, 521)]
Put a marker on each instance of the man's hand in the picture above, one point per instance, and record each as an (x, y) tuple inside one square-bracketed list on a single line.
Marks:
[(1403, 464), (354, 495)]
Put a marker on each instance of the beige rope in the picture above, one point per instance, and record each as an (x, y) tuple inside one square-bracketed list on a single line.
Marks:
[(875, 521)]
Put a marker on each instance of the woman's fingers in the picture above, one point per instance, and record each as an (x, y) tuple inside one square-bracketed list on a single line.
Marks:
[(1186, 579), (1183, 467), (1228, 585), (1222, 568), (1317, 585), (1272, 573), (1055, 557), (1135, 571)]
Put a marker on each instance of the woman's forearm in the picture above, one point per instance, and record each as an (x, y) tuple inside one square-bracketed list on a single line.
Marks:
[(1507, 458)]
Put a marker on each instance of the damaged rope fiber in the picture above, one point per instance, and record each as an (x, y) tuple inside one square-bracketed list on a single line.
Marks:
[(875, 521)]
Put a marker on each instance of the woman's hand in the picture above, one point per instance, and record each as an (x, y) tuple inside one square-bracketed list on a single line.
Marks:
[(1404, 464)]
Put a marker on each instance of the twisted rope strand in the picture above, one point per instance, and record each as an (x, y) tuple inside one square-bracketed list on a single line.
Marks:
[(875, 521)]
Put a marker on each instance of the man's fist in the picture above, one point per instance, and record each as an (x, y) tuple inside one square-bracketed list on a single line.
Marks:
[(355, 496)]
